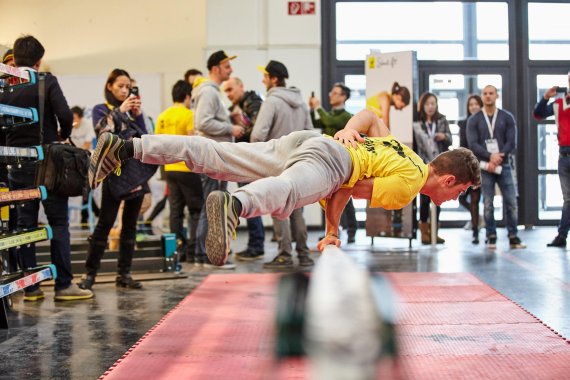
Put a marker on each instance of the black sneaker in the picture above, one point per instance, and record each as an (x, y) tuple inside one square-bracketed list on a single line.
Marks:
[(105, 158), (126, 281), (516, 243), (281, 261), (249, 255), (305, 261), (559, 241), (351, 239), (87, 282), (222, 222), (491, 242)]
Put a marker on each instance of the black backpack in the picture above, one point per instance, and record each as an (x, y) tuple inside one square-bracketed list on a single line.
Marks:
[(63, 170)]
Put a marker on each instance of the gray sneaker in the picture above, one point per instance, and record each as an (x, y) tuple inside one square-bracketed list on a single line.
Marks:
[(33, 296), (222, 222), (105, 158), (72, 293)]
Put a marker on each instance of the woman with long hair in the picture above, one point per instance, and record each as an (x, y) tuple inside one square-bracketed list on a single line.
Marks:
[(121, 114), (432, 136), (474, 105)]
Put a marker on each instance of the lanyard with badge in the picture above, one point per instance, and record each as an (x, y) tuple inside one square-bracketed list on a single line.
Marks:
[(492, 143)]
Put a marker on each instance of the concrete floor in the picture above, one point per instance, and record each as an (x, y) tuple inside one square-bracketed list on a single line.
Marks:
[(81, 340)]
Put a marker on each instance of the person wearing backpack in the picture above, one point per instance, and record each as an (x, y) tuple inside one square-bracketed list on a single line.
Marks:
[(28, 54)]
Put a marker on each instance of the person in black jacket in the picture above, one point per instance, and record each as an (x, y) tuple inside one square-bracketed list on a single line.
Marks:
[(28, 54), (243, 111), (474, 105), (120, 114)]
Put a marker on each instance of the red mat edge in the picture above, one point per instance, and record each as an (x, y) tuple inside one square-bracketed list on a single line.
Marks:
[(160, 322), (525, 310)]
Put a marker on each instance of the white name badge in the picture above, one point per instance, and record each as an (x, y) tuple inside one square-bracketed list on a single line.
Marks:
[(492, 145)]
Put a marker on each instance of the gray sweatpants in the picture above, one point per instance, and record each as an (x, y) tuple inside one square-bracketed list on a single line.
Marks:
[(283, 174)]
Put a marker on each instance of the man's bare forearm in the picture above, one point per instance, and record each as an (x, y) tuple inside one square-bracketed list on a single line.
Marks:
[(333, 210)]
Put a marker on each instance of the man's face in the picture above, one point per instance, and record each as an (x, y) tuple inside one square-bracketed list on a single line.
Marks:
[(448, 190), (76, 120), (233, 91), (225, 70), (336, 97), (267, 82), (489, 96)]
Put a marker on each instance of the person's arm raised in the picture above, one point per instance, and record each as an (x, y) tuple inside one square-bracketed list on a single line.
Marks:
[(365, 122)]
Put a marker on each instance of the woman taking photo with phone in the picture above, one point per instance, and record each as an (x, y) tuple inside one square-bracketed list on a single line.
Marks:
[(121, 114)]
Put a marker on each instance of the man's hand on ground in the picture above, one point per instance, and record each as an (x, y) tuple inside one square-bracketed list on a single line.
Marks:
[(328, 240)]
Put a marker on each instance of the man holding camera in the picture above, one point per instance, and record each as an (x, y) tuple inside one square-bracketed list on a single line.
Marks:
[(561, 108), (492, 136)]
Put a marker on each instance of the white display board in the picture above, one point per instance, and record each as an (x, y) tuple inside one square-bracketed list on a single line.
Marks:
[(382, 71)]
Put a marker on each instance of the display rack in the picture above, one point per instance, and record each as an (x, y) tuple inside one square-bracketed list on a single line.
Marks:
[(12, 77), (10, 117)]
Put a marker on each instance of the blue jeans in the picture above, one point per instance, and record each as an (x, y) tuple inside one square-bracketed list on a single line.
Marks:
[(208, 185), (564, 175), (509, 192), (57, 214)]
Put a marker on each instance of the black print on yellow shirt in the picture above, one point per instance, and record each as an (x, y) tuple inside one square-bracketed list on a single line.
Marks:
[(400, 150)]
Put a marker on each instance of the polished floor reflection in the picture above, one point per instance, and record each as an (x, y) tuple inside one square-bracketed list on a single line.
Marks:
[(81, 340)]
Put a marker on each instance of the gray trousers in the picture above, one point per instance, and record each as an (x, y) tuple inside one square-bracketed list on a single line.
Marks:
[(292, 230), (282, 174)]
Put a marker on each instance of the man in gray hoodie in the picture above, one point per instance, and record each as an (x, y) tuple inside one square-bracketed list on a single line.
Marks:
[(212, 120), (283, 112)]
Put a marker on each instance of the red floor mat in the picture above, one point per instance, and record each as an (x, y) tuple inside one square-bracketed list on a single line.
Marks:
[(451, 326)]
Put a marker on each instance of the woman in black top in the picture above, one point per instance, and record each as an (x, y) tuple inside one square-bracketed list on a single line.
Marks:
[(474, 105), (120, 114)]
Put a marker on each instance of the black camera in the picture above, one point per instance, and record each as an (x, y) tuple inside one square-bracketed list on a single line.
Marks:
[(562, 89), (135, 91)]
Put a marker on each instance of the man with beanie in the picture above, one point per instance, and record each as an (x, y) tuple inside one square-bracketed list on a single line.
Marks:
[(212, 120), (283, 112)]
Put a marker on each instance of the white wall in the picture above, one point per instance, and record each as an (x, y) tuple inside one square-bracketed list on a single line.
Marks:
[(91, 38), (261, 30)]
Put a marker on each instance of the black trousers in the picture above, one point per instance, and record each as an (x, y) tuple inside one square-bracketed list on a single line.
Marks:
[(98, 241)]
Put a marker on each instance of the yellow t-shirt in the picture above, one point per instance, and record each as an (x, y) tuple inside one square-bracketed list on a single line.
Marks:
[(399, 173), (373, 105), (175, 120)]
